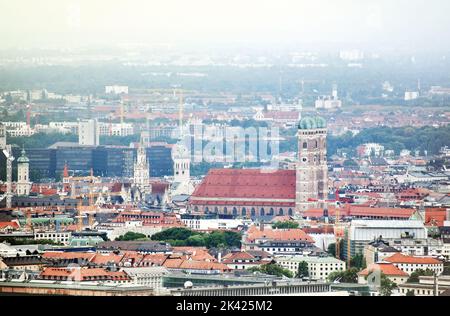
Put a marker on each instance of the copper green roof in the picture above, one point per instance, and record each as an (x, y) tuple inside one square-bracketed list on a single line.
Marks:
[(312, 122), (23, 158)]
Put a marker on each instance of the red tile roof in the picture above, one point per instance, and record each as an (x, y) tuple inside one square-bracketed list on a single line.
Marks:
[(387, 269), (156, 259), (103, 259), (195, 253), (82, 274), (159, 187), (435, 216), (238, 255), (43, 189), (356, 210), (247, 183), (195, 265), (401, 258), (61, 255), (255, 232), (12, 225)]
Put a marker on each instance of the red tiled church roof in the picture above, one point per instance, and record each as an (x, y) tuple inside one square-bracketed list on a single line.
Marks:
[(247, 183)]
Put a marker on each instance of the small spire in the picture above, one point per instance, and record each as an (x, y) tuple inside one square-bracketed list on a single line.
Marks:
[(66, 170)]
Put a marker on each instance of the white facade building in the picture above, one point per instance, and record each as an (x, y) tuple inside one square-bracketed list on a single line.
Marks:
[(366, 150), (148, 276), (411, 95), (319, 268), (116, 89), (89, 133), (59, 237), (410, 264), (18, 129), (214, 223), (362, 232), (2, 136)]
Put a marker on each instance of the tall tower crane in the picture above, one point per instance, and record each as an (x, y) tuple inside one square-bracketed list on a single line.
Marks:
[(180, 113), (79, 215), (9, 159), (339, 233)]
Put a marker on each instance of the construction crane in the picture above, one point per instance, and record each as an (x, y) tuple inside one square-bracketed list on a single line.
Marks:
[(180, 113), (29, 114), (121, 113), (9, 159), (340, 233), (302, 85), (337, 233), (89, 210), (28, 223), (79, 216), (91, 183)]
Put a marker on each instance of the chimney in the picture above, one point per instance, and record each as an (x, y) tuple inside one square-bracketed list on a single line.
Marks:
[(261, 226), (219, 257)]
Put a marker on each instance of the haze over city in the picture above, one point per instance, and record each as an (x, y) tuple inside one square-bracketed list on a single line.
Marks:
[(401, 24)]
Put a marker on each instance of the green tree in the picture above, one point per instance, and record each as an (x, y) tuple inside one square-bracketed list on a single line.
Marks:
[(180, 236), (332, 249), (446, 268), (414, 277), (303, 270), (285, 225), (386, 285), (358, 261), (176, 233), (196, 241), (347, 276), (129, 236), (410, 293), (272, 269)]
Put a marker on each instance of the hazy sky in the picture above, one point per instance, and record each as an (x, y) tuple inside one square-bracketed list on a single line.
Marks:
[(416, 23)]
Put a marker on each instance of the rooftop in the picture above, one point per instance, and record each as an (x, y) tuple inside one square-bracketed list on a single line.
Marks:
[(401, 258), (247, 183)]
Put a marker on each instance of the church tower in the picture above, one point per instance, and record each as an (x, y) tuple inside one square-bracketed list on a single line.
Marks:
[(23, 178), (311, 169), (181, 163), (141, 176)]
